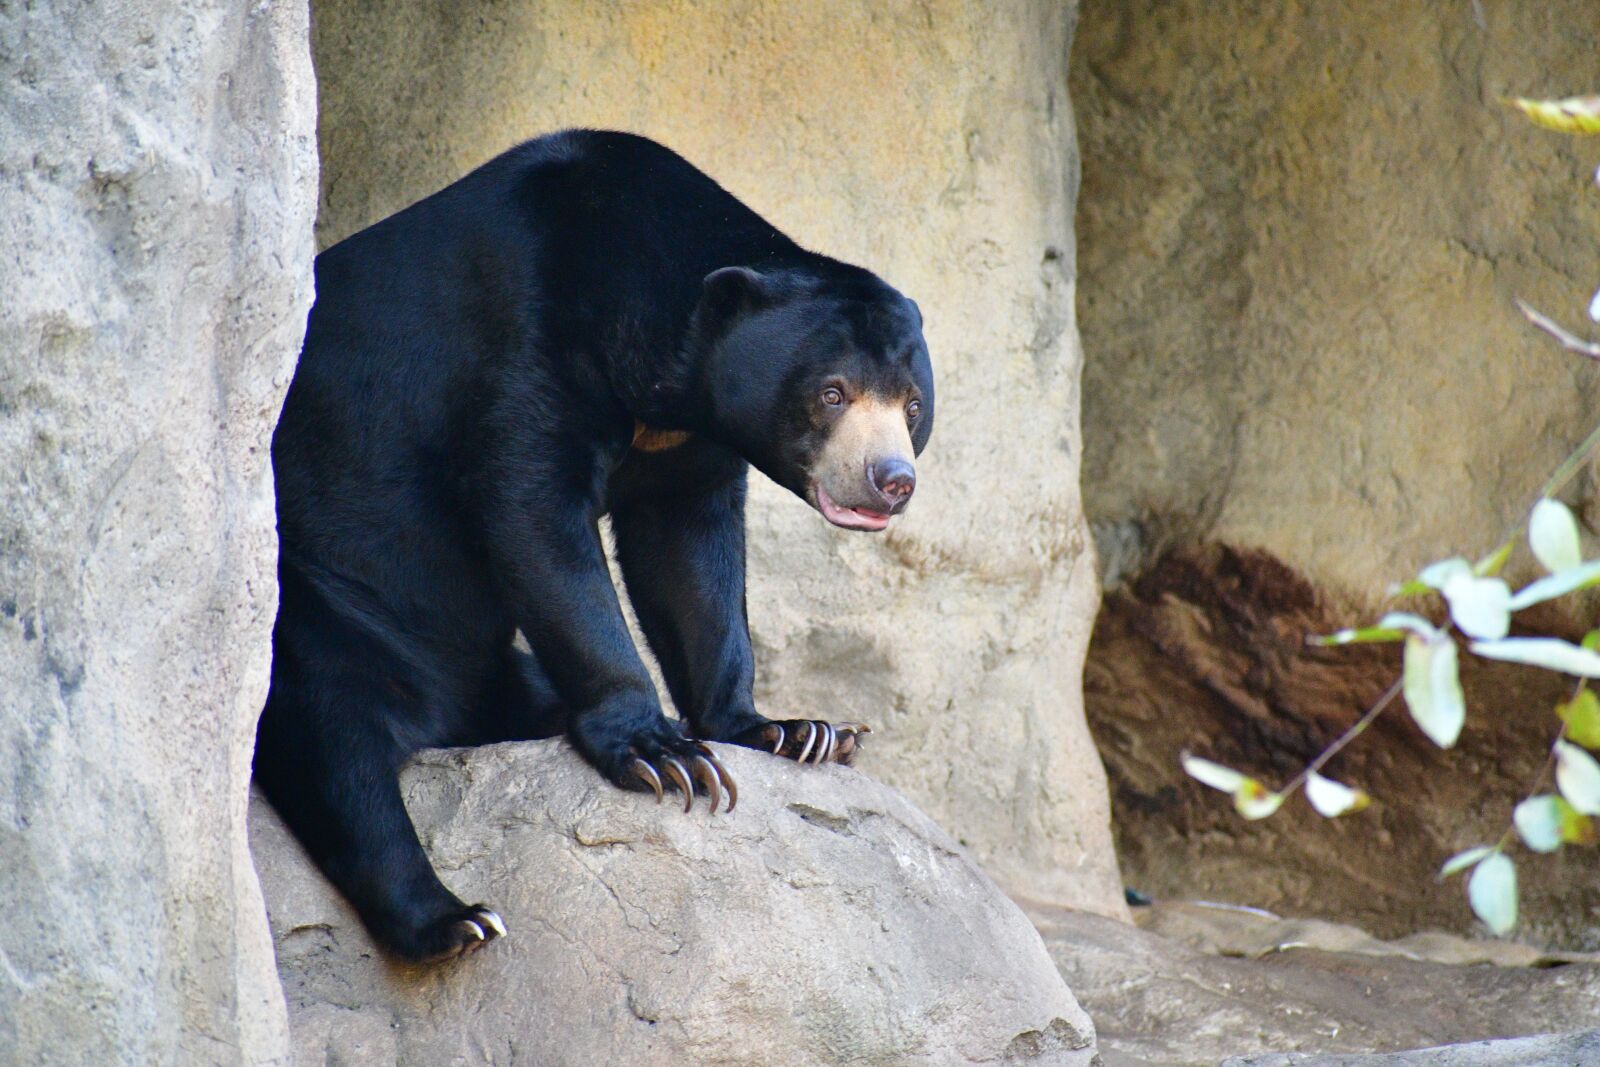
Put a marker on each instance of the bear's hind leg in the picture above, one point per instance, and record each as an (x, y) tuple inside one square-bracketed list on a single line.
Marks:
[(332, 773)]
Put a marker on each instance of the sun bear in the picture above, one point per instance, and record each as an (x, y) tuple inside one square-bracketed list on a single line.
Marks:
[(585, 326)]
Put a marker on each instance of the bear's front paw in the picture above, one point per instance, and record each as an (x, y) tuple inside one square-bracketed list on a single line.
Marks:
[(658, 758), (807, 740)]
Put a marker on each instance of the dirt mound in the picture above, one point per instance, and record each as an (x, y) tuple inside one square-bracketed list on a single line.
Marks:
[(1207, 652)]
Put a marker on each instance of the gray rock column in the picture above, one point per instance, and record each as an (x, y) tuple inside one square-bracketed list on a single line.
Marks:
[(157, 192)]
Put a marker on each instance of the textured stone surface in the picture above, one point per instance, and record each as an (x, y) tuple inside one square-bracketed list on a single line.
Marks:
[(1158, 1002), (1302, 228), (823, 921), (1545, 1050), (933, 143), (157, 185)]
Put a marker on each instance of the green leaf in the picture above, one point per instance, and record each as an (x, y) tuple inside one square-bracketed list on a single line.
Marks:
[(1480, 606), (1551, 586), (1434, 575), (1578, 778), (1492, 892), (1591, 641), (1575, 114), (1254, 801), (1433, 688), (1582, 716), (1366, 635), (1331, 798), (1462, 860), (1412, 587), (1553, 536), (1548, 652), (1491, 565), (1538, 820), (1213, 774)]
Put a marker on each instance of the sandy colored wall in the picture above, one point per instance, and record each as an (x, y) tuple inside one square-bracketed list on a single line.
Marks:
[(157, 187), (933, 143), (1302, 228)]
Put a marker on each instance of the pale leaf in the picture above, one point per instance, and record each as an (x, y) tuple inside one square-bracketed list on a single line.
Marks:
[(1434, 575), (1548, 652), (1253, 801), (1492, 892), (1433, 689), (1480, 606), (1464, 859), (1553, 536), (1578, 777), (1538, 820), (1332, 798), (1560, 584), (1213, 774)]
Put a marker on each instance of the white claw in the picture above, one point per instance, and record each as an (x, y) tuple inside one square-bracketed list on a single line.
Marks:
[(476, 929), (491, 920), (781, 738), (826, 748), (811, 737)]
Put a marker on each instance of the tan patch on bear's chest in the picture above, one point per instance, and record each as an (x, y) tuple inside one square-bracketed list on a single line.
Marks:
[(650, 439)]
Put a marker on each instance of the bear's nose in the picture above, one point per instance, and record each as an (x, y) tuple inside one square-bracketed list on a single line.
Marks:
[(894, 479)]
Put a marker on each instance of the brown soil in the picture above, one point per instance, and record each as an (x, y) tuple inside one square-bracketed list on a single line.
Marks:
[(1206, 652)]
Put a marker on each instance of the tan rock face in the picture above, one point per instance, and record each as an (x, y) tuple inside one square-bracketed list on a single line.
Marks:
[(1302, 227), (825, 920), (933, 144), (157, 185)]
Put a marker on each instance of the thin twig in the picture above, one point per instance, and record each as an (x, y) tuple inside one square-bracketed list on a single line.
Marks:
[(1568, 340), (1348, 736)]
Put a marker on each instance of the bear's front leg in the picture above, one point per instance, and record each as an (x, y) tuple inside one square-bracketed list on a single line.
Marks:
[(555, 570), (682, 554)]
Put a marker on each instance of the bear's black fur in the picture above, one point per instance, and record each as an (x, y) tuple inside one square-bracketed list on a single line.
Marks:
[(585, 325)]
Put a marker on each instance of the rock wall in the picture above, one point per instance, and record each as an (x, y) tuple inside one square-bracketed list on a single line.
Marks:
[(822, 921), (935, 144), (1302, 227), (157, 185)]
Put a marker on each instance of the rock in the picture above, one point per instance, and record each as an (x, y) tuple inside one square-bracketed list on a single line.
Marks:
[(823, 921), (934, 144), (1157, 1002), (1546, 1050), (157, 188)]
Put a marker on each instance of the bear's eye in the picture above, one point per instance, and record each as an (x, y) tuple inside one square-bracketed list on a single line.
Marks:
[(913, 409), (832, 397)]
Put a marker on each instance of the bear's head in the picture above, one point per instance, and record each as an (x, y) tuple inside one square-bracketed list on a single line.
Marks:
[(821, 379)]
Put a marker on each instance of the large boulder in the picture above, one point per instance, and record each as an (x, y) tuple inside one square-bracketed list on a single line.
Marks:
[(157, 188), (825, 920), (934, 143)]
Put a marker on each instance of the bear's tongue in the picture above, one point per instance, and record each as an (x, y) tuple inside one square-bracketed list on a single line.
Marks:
[(849, 518)]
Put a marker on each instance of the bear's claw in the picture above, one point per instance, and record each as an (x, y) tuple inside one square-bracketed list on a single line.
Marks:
[(704, 768), (809, 740)]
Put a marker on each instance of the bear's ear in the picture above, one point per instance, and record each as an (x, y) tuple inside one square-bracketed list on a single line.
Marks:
[(730, 290)]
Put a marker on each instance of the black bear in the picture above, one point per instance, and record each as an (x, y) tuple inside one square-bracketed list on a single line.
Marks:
[(587, 325)]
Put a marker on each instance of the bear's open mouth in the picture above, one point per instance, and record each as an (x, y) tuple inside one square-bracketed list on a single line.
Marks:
[(849, 518)]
